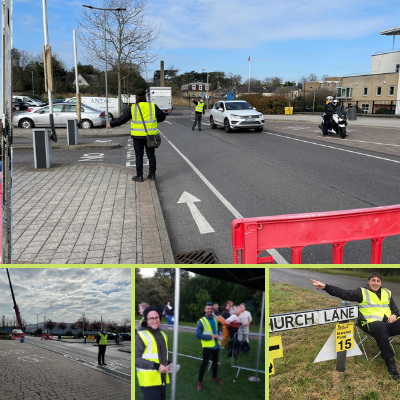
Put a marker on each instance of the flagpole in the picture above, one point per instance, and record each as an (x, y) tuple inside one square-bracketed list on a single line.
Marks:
[(249, 72)]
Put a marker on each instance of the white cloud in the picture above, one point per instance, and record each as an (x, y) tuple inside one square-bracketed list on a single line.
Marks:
[(64, 293)]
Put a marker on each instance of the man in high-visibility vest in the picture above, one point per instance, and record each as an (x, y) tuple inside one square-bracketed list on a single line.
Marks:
[(377, 311), (209, 332), (151, 116), (151, 356), (198, 112), (142, 307), (102, 342)]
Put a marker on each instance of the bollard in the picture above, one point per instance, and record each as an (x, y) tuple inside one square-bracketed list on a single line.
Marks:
[(84, 339), (72, 132), (42, 150), (59, 336), (22, 339), (341, 356)]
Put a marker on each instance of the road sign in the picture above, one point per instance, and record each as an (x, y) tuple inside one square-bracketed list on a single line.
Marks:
[(344, 336), (304, 319), (275, 347), (6, 330), (271, 367)]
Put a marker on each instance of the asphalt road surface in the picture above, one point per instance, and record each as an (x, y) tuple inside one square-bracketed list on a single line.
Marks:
[(118, 362), (301, 278), (248, 174)]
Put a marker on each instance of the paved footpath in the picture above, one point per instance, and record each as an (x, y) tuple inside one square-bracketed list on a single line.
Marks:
[(30, 373)]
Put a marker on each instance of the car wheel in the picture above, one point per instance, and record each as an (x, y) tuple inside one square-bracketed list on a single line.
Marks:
[(26, 123), (227, 126), (258, 129), (86, 124), (110, 117), (213, 126), (17, 108)]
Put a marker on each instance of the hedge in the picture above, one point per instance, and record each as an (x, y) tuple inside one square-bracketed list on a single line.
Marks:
[(266, 105)]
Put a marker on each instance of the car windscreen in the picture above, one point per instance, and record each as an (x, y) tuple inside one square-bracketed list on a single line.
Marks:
[(239, 105)]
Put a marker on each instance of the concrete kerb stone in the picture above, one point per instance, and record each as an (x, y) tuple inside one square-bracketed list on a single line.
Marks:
[(65, 147)]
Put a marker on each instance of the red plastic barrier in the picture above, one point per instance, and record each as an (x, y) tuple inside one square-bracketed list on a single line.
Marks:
[(254, 235), (46, 336)]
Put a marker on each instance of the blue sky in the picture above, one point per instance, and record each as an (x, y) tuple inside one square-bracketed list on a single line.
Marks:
[(288, 38), (64, 293)]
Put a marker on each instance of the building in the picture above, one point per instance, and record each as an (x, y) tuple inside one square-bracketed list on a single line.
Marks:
[(195, 89), (32, 328), (375, 93)]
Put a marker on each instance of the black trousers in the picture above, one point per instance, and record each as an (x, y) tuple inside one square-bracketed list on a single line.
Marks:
[(381, 332), (207, 353), (139, 145), (102, 352), (154, 392), (197, 120)]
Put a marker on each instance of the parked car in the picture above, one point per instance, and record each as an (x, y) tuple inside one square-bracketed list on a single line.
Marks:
[(125, 336), (61, 113), (235, 114), (18, 104), (58, 101), (28, 100)]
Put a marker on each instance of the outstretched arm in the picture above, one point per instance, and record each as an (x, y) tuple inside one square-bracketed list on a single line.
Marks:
[(350, 295)]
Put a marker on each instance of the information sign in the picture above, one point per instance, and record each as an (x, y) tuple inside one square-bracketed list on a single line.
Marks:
[(344, 336), (275, 351)]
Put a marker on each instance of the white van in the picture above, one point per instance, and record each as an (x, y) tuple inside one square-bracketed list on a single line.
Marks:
[(30, 101), (99, 103)]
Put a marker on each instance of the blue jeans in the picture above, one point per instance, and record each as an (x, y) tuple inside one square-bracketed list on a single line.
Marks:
[(327, 120), (169, 318)]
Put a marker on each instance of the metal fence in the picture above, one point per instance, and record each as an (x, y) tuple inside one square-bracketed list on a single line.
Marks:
[(382, 107)]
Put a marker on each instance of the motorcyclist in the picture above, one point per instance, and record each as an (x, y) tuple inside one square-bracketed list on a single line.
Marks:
[(330, 109)]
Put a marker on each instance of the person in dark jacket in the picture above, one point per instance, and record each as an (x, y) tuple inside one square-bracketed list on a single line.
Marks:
[(199, 111), (152, 364), (328, 112), (378, 313), (169, 313), (139, 134)]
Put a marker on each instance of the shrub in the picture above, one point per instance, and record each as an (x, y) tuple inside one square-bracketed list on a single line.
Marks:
[(69, 333), (80, 335), (382, 111), (266, 105)]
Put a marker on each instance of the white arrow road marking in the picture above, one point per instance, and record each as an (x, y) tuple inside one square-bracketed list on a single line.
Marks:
[(103, 141), (170, 123), (202, 224)]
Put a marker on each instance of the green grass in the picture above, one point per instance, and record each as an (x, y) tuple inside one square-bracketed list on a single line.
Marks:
[(296, 375), (241, 389), (354, 272)]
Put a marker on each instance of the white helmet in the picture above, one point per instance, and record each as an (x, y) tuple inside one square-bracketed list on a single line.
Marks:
[(335, 102), (330, 98)]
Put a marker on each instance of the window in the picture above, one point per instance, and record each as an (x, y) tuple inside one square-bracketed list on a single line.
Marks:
[(365, 91), (345, 92), (200, 87), (206, 87), (378, 90), (321, 84), (329, 84), (336, 84), (193, 87), (57, 108), (365, 108), (391, 90), (397, 67)]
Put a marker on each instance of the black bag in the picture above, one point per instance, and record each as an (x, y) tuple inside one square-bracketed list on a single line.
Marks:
[(153, 141), (233, 348), (244, 347)]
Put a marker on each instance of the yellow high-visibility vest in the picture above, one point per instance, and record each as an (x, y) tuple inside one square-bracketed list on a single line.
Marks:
[(372, 308), (149, 119), (199, 107), (207, 330), (150, 377), (103, 339)]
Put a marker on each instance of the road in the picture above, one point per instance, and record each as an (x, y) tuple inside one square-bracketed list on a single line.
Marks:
[(118, 362), (286, 169), (301, 278)]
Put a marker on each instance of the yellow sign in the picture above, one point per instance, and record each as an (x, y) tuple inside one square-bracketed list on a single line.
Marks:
[(271, 367), (275, 351), (275, 347), (344, 336), (91, 337)]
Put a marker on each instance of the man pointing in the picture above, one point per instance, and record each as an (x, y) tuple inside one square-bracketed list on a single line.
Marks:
[(377, 311)]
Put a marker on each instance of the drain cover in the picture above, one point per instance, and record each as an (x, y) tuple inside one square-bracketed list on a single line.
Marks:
[(206, 256)]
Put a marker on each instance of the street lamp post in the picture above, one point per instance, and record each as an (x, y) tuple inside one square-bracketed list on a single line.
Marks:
[(206, 69), (105, 48)]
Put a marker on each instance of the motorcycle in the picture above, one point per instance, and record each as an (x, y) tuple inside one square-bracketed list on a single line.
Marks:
[(337, 123)]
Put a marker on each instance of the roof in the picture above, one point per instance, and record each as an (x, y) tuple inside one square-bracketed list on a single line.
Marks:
[(253, 278), (391, 32)]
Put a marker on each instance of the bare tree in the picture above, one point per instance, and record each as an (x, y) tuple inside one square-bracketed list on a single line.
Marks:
[(82, 322), (112, 325), (312, 78), (131, 39), (272, 81), (62, 325), (49, 324), (126, 324), (96, 325)]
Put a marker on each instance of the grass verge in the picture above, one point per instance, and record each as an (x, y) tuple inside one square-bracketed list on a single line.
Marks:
[(297, 377)]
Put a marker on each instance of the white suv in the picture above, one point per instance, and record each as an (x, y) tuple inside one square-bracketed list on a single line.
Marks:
[(235, 114)]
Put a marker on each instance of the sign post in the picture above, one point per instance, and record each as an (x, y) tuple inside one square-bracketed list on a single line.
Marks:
[(343, 342)]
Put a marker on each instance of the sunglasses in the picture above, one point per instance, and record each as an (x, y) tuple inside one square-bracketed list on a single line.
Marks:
[(209, 304)]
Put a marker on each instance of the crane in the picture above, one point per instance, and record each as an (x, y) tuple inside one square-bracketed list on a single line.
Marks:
[(18, 315)]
